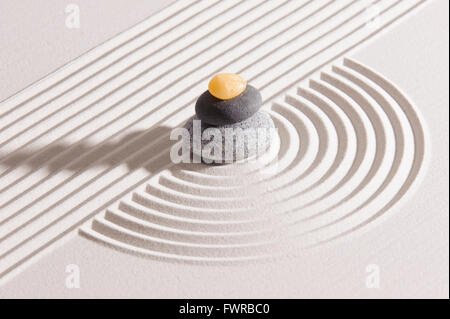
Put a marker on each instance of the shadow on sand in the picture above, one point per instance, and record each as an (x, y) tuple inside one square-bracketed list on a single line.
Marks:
[(131, 150)]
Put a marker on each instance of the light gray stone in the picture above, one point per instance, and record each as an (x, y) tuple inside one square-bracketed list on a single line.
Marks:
[(237, 141)]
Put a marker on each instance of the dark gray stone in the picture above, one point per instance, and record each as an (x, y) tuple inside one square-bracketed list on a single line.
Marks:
[(214, 111), (246, 141)]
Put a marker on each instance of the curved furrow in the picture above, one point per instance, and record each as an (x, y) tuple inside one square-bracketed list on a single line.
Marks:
[(173, 234), (354, 163), (102, 123)]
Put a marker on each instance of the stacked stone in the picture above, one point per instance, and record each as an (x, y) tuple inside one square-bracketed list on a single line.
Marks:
[(229, 103)]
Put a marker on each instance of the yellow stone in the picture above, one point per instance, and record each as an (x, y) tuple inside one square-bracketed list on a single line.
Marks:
[(226, 86)]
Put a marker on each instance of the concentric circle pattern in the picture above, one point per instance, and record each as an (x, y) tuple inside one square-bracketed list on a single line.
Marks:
[(349, 147)]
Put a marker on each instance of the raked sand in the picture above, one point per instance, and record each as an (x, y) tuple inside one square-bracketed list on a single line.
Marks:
[(357, 177)]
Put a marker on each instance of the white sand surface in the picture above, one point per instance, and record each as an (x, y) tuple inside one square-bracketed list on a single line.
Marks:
[(362, 180)]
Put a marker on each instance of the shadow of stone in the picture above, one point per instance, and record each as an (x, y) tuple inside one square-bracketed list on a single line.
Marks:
[(84, 155)]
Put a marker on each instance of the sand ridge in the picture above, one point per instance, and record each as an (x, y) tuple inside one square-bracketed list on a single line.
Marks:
[(109, 109), (350, 147)]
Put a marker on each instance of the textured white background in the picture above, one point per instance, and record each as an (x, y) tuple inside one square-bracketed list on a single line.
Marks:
[(411, 246)]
